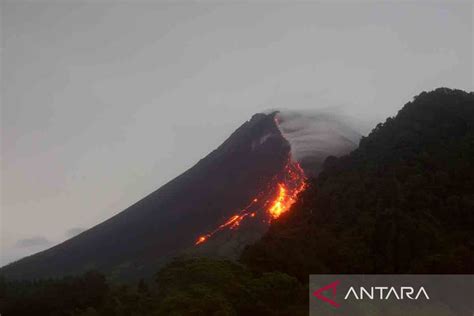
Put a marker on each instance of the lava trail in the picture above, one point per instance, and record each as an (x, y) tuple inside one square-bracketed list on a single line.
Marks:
[(275, 199)]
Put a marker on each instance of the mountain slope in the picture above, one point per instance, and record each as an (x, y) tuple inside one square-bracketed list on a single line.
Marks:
[(401, 203), (170, 219), (223, 203)]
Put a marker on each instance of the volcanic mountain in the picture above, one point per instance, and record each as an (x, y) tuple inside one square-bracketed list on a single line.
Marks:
[(223, 203)]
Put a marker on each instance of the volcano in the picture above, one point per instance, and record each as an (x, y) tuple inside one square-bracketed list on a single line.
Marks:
[(223, 203)]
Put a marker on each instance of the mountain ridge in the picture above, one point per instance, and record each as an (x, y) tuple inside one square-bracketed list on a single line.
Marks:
[(215, 208), (141, 221)]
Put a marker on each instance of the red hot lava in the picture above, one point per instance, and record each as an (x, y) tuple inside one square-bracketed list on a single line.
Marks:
[(275, 200)]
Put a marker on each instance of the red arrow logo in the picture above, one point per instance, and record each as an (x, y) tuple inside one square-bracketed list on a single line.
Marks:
[(332, 286)]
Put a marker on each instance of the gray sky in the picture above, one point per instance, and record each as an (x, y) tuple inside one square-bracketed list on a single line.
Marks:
[(103, 103)]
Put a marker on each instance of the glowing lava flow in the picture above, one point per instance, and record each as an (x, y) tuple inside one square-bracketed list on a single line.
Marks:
[(287, 194), (278, 205), (274, 201)]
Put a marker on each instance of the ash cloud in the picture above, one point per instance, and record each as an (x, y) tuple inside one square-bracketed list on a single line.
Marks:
[(315, 135)]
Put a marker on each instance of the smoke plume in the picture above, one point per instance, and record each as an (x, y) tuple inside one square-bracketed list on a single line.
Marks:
[(315, 135)]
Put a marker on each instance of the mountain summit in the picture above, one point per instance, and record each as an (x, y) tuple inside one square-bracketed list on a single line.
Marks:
[(223, 203)]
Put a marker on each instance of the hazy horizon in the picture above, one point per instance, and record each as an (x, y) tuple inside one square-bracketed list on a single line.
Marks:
[(103, 103)]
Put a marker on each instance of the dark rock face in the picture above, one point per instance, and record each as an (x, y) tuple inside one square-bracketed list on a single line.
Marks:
[(149, 233)]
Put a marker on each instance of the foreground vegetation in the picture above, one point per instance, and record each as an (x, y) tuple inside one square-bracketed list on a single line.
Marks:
[(185, 287)]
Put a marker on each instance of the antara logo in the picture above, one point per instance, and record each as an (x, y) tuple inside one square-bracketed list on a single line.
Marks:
[(371, 293), (332, 286), (385, 293)]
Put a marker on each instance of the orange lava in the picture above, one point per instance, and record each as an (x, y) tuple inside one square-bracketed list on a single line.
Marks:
[(287, 196), (201, 239), (287, 187)]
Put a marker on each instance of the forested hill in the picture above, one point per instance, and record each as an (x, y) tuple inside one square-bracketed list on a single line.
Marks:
[(403, 202)]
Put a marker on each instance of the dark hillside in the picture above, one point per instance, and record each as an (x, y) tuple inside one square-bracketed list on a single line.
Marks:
[(403, 202)]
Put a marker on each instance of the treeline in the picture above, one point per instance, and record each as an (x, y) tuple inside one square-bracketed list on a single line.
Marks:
[(197, 286)]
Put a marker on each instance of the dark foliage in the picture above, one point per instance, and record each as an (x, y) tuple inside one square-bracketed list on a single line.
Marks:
[(184, 287), (403, 202), (221, 287), (87, 295), (53, 297)]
